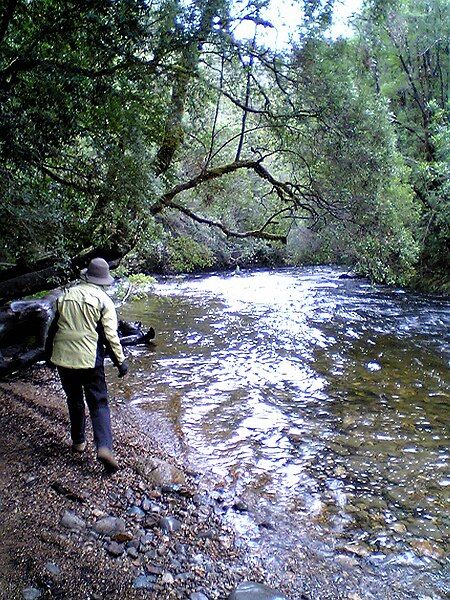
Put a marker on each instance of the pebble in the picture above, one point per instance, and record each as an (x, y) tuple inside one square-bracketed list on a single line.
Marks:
[(146, 539), (136, 512), (52, 568), (249, 590), (109, 526), (427, 548), (168, 578), (144, 582), (240, 506), (169, 524), (31, 593), (132, 552), (198, 596), (398, 527), (115, 549), (71, 521), (122, 536)]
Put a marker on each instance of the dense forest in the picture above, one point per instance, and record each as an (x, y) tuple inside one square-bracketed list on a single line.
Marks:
[(150, 133)]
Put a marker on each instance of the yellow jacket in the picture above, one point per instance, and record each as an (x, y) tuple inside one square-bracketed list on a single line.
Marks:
[(86, 324)]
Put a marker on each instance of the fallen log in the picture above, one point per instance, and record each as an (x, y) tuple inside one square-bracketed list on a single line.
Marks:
[(24, 326)]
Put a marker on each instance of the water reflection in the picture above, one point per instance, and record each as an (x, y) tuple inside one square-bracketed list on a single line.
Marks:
[(321, 401)]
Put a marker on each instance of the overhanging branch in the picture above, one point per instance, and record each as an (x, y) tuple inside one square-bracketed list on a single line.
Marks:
[(255, 233), (292, 196)]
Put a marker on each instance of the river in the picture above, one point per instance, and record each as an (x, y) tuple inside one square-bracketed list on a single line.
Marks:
[(321, 403)]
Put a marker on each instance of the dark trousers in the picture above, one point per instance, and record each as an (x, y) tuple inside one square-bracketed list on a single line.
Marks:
[(92, 383)]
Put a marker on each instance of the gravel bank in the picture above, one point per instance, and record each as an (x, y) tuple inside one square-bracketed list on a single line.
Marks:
[(69, 531)]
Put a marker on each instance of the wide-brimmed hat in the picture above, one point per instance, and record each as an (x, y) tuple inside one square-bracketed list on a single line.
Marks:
[(97, 272)]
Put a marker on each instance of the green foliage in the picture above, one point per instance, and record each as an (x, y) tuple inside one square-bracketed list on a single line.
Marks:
[(135, 286), (141, 280), (185, 255), (106, 107), (405, 47)]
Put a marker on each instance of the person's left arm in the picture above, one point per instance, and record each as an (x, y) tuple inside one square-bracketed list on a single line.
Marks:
[(109, 323)]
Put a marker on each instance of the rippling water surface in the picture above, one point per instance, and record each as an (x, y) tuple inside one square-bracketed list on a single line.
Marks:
[(321, 402)]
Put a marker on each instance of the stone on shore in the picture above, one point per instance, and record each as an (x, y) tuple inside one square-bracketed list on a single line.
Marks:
[(160, 472), (71, 521), (31, 593), (249, 590), (169, 524), (109, 526), (115, 549), (144, 582)]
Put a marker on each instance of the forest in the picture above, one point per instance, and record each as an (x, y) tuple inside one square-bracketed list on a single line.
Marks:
[(150, 133)]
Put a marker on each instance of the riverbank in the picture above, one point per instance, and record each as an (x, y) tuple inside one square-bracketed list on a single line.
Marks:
[(149, 531), (69, 531)]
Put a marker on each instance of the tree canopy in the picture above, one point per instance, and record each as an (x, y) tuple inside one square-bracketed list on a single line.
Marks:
[(149, 130)]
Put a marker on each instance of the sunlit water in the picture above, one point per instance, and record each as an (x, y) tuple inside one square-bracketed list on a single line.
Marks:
[(320, 402)]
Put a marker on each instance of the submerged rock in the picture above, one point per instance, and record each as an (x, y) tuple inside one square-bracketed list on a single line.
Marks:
[(249, 590), (160, 472), (427, 548)]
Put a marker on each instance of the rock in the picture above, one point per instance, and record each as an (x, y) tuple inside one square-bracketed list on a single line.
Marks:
[(122, 536), (109, 526), (136, 512), (146, 504), (132, 552), (346, 561), (358, 548), (160, 472), (198, 596), (31, 593), (144, 582), (152, 520), (146, 539), (240, 506), (427, 548), (266, 525), (167, 578), (296, 436), (71, 521), (249, 590), (398, 527), (52, 568), (115, 549), (154, 570), (169, 524)]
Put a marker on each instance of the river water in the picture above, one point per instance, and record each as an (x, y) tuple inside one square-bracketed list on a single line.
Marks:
[(321, 403)]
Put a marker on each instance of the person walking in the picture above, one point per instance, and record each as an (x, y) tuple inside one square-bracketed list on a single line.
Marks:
[(82, 333)]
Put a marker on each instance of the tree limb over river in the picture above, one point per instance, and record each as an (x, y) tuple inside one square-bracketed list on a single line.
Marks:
[(110, 112)]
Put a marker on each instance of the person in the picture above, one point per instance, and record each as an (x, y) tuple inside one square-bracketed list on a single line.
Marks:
[(82, 333)]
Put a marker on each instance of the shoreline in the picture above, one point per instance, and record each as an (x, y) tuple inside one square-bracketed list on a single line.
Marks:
[(169, 542), (166, 537)]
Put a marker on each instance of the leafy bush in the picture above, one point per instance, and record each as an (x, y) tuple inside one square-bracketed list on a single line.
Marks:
[(185, 255)]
